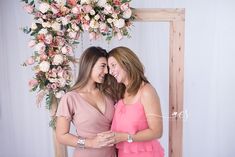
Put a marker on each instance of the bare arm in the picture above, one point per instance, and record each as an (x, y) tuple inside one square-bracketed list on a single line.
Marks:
[(66, 138), (151, 103), (62, 132)]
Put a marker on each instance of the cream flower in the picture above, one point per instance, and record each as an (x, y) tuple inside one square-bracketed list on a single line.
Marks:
[(127, 14), (85, 2), (119, 23), (56, 26), (94, 24), (61, 2), (44, 66), (33, 26), (58, 59), (59, 94), (101, 3), (44, 7)]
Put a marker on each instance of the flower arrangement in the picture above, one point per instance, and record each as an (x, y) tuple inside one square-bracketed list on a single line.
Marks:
[(56, 29)]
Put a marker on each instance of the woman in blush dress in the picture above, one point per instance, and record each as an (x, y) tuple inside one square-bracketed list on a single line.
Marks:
[(137, 121), (90, 107)]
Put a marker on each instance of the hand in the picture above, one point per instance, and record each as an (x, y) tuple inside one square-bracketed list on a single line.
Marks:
[(104, 139)]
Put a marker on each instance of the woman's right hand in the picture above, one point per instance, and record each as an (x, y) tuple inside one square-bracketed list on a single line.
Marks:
[(104, 139)]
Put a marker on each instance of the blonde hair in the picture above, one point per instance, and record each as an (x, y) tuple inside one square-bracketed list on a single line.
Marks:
[(130, 62)]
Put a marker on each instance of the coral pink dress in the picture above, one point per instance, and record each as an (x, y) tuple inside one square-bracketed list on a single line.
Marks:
[(131, 118), (88, 121)]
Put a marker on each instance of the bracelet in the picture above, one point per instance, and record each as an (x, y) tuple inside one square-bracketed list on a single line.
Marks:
[(81, 143)]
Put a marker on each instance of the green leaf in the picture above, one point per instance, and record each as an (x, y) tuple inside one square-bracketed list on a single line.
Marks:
[(52, 122), (31, 3), (48, 101)]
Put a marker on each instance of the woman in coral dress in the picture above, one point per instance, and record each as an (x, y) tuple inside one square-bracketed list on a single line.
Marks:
[(137, 121)]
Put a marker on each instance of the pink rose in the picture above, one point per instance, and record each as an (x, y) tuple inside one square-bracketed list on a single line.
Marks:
[(124, 6), (103, 28), (33, 83), (31, 43), (30, 61), (43, 56), (87, 8), (119, 36), (28, 8)]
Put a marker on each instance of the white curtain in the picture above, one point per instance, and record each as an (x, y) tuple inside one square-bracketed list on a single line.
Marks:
[(209, 78)]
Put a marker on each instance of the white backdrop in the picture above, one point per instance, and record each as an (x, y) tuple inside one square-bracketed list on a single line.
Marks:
[(209, 78)]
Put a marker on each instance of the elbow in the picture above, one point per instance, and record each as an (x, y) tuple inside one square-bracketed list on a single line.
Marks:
[(158, 133), (59, 138)]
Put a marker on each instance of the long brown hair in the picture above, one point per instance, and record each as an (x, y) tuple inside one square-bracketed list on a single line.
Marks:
[(86, 64), (129, 61)]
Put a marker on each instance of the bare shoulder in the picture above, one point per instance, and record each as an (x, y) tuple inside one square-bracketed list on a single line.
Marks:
[(148, 90), (149, 94)]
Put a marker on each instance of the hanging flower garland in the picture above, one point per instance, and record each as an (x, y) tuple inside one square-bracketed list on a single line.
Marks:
[(56, 29)]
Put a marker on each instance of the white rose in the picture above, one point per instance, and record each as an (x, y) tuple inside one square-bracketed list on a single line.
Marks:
[(75, 27), (59, 94), (40, 47), (46, 24), (43, 31), (101, 3), (44, 7), (75, 10), (97, 17), (61, 2), (87, 17), (56, 26), (94, 24), (33, 26), (108, 8), (64, 20), (58, 59), (72, 35), (114, 16), (127, 14), (110, 20), (92, 12), (119, 23), (103, 27), (44, 66), (62, 82), (85, 2)]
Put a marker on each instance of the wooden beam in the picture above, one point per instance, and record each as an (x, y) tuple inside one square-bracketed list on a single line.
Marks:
[(176, 88), (176, 17), (160, 15)]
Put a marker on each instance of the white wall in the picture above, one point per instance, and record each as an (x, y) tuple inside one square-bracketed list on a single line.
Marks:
[(209, 78)]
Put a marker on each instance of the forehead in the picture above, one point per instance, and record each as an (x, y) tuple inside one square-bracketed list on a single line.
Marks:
[(112, 60), (101, 60)]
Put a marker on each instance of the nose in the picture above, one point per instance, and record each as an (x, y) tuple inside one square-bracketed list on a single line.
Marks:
[(106, 70)]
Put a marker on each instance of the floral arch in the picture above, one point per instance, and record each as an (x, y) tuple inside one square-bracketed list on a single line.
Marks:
[(110, 28)]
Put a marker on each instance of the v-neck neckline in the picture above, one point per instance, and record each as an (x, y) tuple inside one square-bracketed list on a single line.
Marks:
[(91, 106)]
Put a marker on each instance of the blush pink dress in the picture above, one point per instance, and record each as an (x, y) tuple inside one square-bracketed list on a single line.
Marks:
[(131, 119), (88, 121)]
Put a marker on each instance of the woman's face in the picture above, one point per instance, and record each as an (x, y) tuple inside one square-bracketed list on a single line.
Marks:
[(99, 70), (117, 71)]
